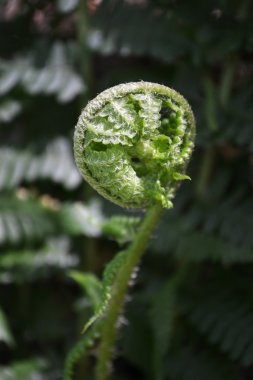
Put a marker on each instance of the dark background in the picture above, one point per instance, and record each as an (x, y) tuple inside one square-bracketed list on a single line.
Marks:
[(191, 310)]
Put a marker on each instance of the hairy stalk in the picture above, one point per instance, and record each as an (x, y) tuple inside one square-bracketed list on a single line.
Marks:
[(135, 252)]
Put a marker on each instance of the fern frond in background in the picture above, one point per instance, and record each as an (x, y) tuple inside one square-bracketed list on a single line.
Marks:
[(24, 166), (24, 370)]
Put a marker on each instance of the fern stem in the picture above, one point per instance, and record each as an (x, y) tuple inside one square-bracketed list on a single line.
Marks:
[(206, 168), (109, 329), (85, 56), (210, 104), (227, 81)]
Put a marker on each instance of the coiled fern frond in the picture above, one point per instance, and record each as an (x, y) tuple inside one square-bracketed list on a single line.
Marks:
[(133, 141)]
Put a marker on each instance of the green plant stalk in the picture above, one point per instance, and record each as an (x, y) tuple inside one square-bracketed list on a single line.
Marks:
[(206, 168), (85, 59), (210, 104), (227, 81), (109, 329)]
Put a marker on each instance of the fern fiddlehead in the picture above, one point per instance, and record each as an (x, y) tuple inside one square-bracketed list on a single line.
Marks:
[(132, 143)]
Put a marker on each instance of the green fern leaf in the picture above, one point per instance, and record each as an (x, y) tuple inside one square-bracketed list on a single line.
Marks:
[(57, 77), (80, 350), (55, 163), (5, 332), (121, 228), (162, 318), (191, 363), (24, 264), (164, 310), (23, 370), (100, 294), (109, 277), (79, 219), (90, 284), (9, 110), (224, 317)]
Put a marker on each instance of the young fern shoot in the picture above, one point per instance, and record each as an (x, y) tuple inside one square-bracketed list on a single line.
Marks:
[(132, 144)]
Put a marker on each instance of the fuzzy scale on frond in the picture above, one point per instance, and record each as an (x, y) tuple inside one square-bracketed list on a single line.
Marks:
[(133, 141)]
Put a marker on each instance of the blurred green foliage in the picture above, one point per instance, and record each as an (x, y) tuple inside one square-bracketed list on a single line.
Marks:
[(191, 310)]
